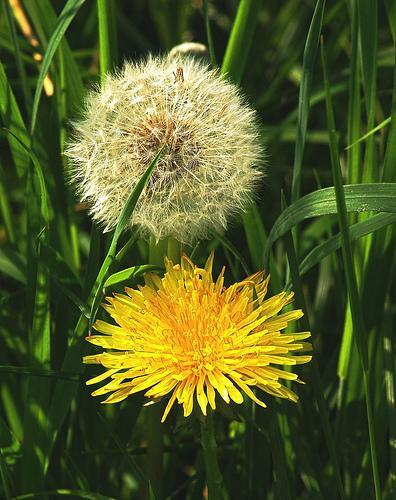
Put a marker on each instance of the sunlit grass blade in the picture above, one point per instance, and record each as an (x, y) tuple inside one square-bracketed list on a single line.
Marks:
[(377, 197), (129, 274), (371, 132), (310, 51), (349, 269), (45, 20), (240, 40), (108, 47), (65, 391), (65, 18), (121, 224)]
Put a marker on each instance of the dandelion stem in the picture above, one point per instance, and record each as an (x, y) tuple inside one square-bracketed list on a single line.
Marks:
[(155, 448), (174, 250), (213, 475), (155, 433)]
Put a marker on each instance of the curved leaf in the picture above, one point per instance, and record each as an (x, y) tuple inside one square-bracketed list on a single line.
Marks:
[(129, 273), (356, 231), (377, 197)]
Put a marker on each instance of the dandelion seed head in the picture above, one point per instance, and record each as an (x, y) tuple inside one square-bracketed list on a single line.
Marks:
[(212, 157)]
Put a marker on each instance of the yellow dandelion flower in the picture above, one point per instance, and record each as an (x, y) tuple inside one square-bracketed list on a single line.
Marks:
[(188, 336)]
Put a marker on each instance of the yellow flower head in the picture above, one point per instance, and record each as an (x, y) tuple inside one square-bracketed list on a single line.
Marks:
[(188, 336)]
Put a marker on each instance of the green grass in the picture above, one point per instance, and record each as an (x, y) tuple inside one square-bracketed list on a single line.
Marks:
[(331, 142)]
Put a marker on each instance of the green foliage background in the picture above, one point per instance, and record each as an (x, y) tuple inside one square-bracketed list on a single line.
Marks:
[(334, 246)]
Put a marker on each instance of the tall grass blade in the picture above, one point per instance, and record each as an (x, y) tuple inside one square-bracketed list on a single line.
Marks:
[(209, 38), (255, 234), (240, 40), (65, 391), (13, 121), (356, 231), (316, 379), (349, 269), (108, 47), (37, 400), (123, 220), (354, 101), (376, 197), (310, 49), (18, 56), (65, 18)]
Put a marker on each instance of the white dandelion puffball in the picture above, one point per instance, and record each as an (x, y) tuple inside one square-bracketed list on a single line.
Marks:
[(212, 156)]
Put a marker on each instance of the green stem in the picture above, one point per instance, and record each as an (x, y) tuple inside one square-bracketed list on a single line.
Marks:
[(213, 475), (174, 251), (155, 448), (155, 434)]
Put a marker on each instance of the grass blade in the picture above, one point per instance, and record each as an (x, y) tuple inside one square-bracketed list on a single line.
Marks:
[(129, 273), (255, 234), (316, 378), (209, 34), (349, 269), (354, 101), (4, 476), (13, 121), (13, 265), (376, 197), (362, 228), (240, 40), (65, 18), (107, 36), (65, 390), (124, 218), (17, 52), (310, 50)]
